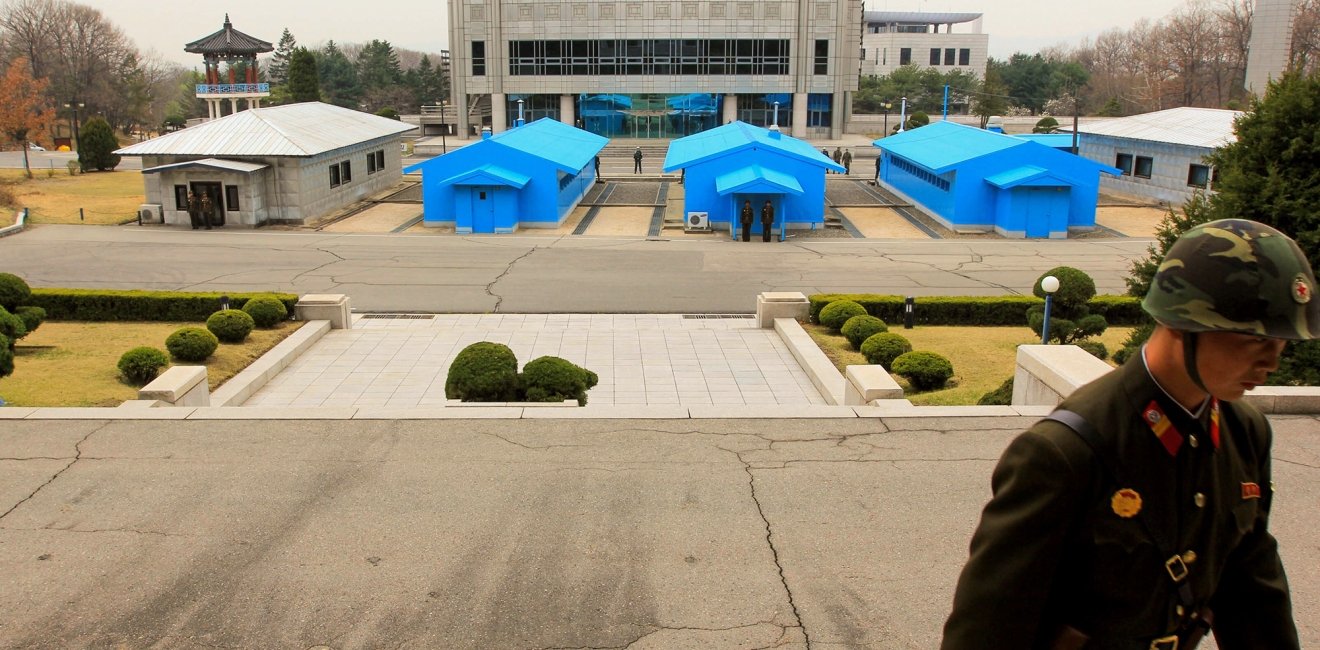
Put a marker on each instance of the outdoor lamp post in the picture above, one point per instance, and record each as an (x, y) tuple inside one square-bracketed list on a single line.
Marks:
[(73, 123), (444, 128), (886, 106), (776, 122), (902, 116), (1049, 285), (520, 113)]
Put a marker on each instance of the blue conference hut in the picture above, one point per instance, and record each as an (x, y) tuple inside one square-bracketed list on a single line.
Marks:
[(739, 162), (531, 176), (974, 180)]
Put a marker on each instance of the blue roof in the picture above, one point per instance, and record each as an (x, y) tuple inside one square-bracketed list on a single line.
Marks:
[(488, 175), (740, 136), (1056, 140), (1023, 175), (567, 146), (757, 179), (940, 146)]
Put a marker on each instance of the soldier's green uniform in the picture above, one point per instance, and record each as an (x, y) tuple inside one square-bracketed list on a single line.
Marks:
[(1065, 556)]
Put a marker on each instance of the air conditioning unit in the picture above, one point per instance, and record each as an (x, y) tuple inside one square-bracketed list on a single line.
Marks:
[(150, 213), (697, 221)]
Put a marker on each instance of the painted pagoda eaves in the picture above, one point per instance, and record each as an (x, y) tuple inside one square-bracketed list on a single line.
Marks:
[(235, 49)]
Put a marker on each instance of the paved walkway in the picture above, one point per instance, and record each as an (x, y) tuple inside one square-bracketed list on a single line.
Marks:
[(668, 359)]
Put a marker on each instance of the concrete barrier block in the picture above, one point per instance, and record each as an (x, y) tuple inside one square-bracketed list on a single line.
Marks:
[(780, 304), (824, 376), (1285, 400), (867, 383), (333, 307), (1046, 374), (179, 386)]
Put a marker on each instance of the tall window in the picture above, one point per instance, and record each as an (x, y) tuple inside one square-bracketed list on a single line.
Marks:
[(478, 58), (180, 197), (822, 56), (1198, 176), (948, 56), (1124, 163), (934, 56), (1143, 167), (334, 175), (231, 198), (964, 56), (905, 56)]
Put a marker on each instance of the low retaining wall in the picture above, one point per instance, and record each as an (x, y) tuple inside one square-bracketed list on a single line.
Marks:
[(824, 376), (237, 390)]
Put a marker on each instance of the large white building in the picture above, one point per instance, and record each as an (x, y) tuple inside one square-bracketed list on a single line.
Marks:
[(944, 41), (657, 68), (1271, 42)]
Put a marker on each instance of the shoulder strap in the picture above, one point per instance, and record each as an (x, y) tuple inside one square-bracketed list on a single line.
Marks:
[(1104, 452)]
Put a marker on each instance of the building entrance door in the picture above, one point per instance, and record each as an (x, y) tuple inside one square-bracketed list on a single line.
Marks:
[(483, 209), (216, 192)]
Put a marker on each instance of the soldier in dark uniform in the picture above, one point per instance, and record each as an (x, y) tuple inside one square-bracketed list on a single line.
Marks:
[(745, 220), (847, 162), (637, 160), (767, 220), (205, 208), (1136, 515), (194, 210), (595, 160)]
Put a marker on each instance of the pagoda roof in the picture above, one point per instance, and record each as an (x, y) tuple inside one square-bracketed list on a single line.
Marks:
[(228, 41)]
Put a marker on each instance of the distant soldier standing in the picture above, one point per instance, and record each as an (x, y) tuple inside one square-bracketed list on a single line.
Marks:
[(194, 210), (745, 220), (847, 162), (767, 220), (1137, 514), (826, 152), (637, 161), (205, 207), (596, 161)]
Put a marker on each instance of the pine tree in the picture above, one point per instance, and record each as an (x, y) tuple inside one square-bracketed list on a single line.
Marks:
[(378, 66), (96, 146), (339, 80), (304, 83), (278, 71)]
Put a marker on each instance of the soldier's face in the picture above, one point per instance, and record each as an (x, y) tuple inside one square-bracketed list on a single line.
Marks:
[(1231, 364)]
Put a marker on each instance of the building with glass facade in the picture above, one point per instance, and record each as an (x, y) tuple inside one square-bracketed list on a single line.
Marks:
[(655, 69)]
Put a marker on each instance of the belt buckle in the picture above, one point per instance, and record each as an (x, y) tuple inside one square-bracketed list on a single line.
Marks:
[(1176, 567), (1165, 643)]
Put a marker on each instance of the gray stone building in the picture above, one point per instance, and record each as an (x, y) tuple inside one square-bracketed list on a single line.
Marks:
[(657, 69), (892, 39), (282, 164), (1161, 154)]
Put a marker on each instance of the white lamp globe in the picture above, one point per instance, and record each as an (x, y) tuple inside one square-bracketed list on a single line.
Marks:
[(1050, 284)]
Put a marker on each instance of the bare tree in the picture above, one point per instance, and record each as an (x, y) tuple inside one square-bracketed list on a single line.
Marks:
[(1306, 36)]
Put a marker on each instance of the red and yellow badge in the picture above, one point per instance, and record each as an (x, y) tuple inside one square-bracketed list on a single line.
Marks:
[(1126, 503), (1250, 491), (1301, 291)]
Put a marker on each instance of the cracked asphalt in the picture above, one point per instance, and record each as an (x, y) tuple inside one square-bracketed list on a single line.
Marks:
[(543, 274), (518, 534)]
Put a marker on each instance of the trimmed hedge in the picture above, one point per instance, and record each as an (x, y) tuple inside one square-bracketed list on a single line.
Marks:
[(881, 349), (141, 364), (115, 305), (192, 344), (860, 328), (13, 291), (266, 311), (976, 310), (924, 370), (230, 325), (836, 314), (483, 372), (552, 379)]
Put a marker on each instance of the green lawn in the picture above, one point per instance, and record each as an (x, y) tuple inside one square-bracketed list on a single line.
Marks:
[(74, 363), (982, 357), (53, 196)]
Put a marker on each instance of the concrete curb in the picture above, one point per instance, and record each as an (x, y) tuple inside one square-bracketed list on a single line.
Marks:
[(240, 387), (824, 376), (20, 222)]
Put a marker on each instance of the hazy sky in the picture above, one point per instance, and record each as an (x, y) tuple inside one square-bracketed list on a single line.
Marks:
[(165, 27)]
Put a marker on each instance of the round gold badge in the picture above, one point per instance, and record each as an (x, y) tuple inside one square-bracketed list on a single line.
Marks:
[(1126, 503), (1301, 291)]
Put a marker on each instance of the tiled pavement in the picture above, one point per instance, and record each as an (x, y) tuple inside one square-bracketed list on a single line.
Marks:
[(640, 359)]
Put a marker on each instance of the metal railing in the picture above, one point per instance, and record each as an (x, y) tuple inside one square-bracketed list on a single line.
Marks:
[(232, 89)]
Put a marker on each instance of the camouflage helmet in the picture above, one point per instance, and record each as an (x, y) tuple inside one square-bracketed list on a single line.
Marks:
[(1235, 275)]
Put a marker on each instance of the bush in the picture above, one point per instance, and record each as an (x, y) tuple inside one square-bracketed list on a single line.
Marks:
[(483, 372), (1071, 319), (140, 365), (1096, 348), (881, 349), (266, 311), (924, 370), (1299, 365), (388, 112), (974, 310), (32, 317), (1002, 396), (551, 379), (11, 327), (96, 145), (1045, 125), (835, 314), (1132, 344), (13, 291), (860, 328), (6, 357), (192, 344), (106, 305), (230, 325)]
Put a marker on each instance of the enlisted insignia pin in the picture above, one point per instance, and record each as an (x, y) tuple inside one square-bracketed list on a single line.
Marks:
[(1153, 415), (1250, 491), (1301, 291), (1126, 503)]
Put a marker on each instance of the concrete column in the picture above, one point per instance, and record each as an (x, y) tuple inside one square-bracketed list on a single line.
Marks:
[(233, 106), (499, 119), (566, 110), (799, 115), (730, 109), (839, 104)]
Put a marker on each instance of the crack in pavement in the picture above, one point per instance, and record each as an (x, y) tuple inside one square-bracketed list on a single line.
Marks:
[(1293, 462), (774, 552), (101, 530), (77, 447), (657, 630), (530, 447), (499, 300)]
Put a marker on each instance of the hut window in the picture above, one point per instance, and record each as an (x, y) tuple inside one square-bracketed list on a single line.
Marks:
[(1198, 176), (1124, 163), (334, 175), (346, 172), (181, 197), (231, 198), (1144, 167)]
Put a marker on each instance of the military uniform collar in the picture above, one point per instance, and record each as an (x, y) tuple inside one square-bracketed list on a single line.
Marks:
[(1167, 420)]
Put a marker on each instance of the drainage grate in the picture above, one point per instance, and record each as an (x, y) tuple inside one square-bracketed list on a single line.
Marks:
[(709, 316), (401, 316)]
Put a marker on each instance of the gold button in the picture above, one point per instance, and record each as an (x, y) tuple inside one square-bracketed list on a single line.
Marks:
[(1180, 610), (1189, 557), (1191, 440), (1199, 499)]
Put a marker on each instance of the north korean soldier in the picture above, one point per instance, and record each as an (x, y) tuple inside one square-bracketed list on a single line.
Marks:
[(206, 209), (194, 210), (1136, 515)]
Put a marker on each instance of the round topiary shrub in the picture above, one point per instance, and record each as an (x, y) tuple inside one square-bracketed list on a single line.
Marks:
[(552, 379), (883, 348), (11, 327), (860, 328), (924, 370), (1002, 396), (266, 311), (192, 344), (230, 325), (483, 372), (6, 357), (1096, 348), (31, 316), (140, 365), (13, 291), (835, 314)]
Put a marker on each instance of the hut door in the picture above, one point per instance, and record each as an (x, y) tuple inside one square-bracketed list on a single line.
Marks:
[(217, 200), (483, 209)]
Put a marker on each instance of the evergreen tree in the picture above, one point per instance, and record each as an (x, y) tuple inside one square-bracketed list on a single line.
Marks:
[(339, 79), (303, 83), (278, 71), (378, 66), (96, 146), (1195, 212)]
